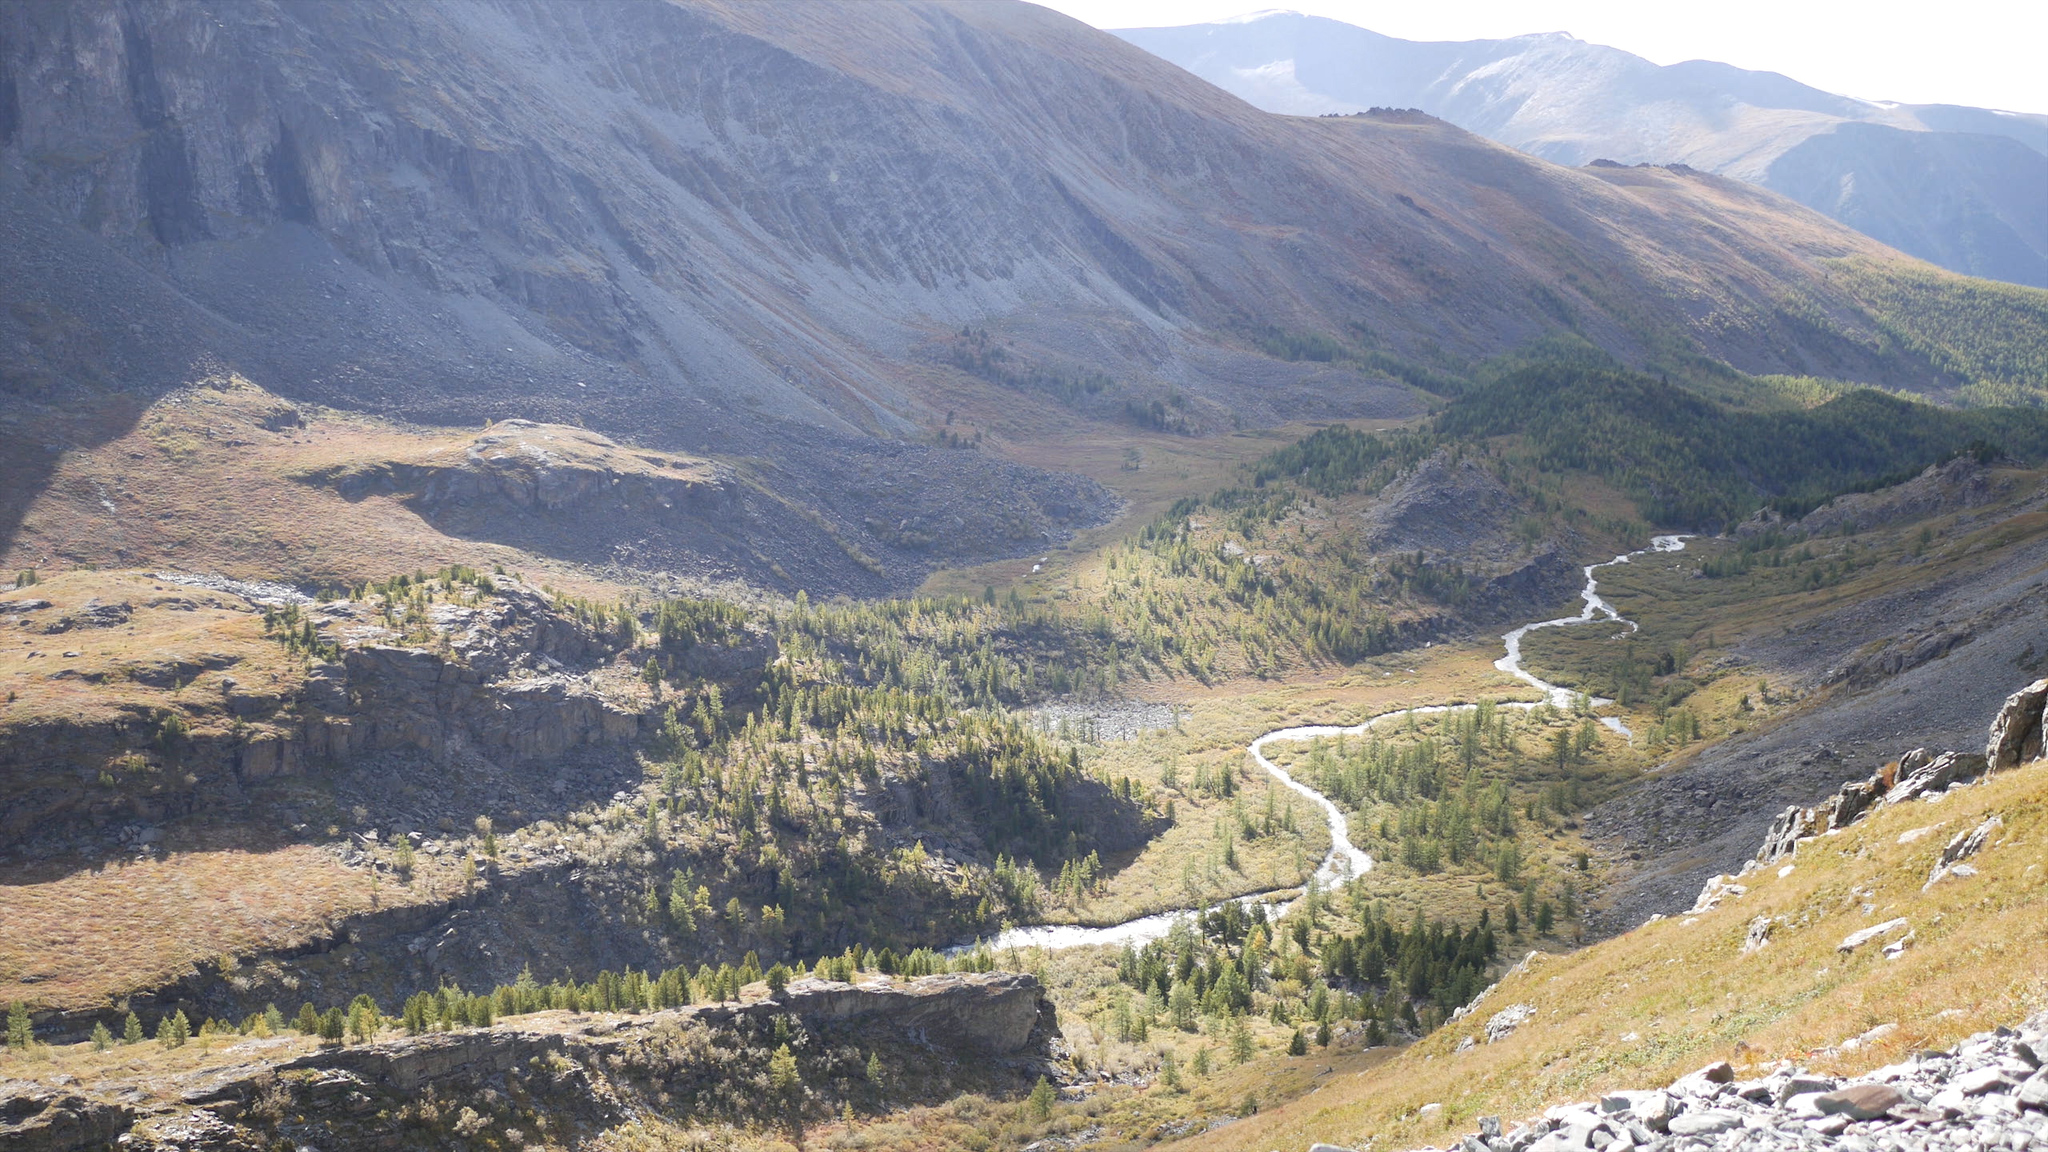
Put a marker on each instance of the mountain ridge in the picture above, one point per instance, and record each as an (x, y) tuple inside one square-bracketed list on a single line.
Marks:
[(1958, 186)]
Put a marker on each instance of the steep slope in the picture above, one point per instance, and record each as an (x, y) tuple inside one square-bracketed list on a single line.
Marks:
[(768, 235), (1909, 924), (1962, 187)]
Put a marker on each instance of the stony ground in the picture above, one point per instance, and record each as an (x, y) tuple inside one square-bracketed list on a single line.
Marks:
[(1988, 1092)]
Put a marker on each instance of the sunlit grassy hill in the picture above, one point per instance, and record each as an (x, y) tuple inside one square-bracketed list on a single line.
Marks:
[(1642, 1008)]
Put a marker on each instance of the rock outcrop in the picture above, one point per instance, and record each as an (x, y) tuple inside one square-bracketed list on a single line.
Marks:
[(520, 464), (575, 1073), (2016, 732), (500, 674), (2016, 735), (1916, 775)]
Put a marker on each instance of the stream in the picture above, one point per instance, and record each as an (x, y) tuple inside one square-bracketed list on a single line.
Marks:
[(1345, 859)]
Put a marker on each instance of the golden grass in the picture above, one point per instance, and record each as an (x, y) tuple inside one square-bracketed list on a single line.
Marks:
[(170, 627), (204, 480), (86, 938), (1642, 1008)]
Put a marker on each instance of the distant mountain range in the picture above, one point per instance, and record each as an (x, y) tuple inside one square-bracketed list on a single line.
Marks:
[(1966, 188)]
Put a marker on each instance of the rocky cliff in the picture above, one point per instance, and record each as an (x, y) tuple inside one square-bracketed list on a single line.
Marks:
[(555, 1079), (150, 695)]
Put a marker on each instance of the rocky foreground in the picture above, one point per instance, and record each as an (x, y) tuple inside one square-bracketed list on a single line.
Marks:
[(1989, 1092)]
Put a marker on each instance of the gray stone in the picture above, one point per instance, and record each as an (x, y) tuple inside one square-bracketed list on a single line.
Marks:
[(1978, 1081), (1803, 1085), (1792, 825), (1655, 1110), (1704, 1123), (2016, 731), (1858, 939), (1963, 846), (1944, 771), (1860, 1101)]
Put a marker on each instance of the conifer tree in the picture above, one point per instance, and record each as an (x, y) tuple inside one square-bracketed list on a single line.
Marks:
[(363, 1018), (19, 1033), (1241, 1041), (1042, 1097), (131, 1031), (101, 1038), (786, 1083), (174, 1030)]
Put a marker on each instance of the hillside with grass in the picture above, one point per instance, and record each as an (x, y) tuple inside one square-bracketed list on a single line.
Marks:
[(941, 584)]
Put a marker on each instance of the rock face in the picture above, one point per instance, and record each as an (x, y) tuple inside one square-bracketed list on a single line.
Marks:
[(1449, 509), (688, 1064), (992, 1013), (1987, 1092), (1914, 776), (508, 678), (2016, 732)]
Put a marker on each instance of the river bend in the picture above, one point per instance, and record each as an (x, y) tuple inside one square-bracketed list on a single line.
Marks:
[(1345, 859)]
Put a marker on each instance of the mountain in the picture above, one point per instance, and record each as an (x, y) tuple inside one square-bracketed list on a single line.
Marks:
[(1966, 188), (796, 243)]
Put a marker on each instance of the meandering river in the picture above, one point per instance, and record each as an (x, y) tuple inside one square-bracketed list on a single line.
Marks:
[(1345, 859)]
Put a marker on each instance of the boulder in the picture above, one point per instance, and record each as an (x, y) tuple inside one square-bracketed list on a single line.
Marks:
[(1704, 1123), (1792, 825), (1845, 807), (1860, 1101), (2016, 732), (1859, 938), (1963, 846), (1934, 775), (1503, 1023), (1716, 889), (1759, 933), (2033, 1092)]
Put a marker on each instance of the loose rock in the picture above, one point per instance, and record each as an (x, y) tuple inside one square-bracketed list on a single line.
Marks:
[(1969, 1098)]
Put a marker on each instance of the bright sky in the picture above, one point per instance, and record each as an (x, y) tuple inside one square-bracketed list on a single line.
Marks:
[(1989, 53)]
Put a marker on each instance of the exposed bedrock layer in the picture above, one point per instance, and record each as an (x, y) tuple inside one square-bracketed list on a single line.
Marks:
[(571, 1073)]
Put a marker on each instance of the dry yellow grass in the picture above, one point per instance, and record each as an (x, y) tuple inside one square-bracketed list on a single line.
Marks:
[(176, 640), (1642, 1008), (204, 480), (86, 937)]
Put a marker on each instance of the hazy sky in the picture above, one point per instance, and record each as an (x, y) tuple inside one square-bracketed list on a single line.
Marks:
[(1991, 53)]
